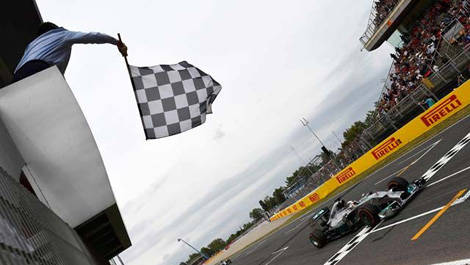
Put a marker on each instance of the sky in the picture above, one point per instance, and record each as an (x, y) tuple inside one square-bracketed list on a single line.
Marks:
[(276, 61)]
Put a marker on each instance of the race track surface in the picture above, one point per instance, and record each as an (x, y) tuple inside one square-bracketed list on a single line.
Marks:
[(447, 239)]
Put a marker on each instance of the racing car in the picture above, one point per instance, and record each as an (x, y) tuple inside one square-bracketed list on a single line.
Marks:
[(345, 218)]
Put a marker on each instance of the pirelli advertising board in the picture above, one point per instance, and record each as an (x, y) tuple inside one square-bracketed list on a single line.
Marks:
[(439, 112)]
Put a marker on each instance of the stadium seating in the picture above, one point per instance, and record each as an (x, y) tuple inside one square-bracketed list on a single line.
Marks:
[(437, 48), (420, 55)]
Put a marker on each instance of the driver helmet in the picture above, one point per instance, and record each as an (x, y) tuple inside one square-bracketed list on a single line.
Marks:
[(340, 203)]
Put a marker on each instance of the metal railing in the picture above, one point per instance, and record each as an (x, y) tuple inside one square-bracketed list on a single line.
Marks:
[(30, 233), (404, 109), (377, 17)]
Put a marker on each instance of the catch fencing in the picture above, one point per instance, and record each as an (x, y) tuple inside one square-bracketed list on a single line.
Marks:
[(30, 233), (377, 17), (442, 110)]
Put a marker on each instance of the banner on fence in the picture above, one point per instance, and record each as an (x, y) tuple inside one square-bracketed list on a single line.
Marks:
[(442, 110)]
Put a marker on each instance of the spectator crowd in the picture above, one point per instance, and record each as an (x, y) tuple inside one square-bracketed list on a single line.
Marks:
[(382, 9), (416, 59), (419, 55)]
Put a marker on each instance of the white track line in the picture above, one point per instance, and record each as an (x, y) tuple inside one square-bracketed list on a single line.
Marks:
[(428, 140), (417, 153), (456, 262), (279, 254), (446, 158), (433, 170), (335, 259), (297, 226), (414, 162), (282, 249), (254, 247), (451, 175), (351, 245), (378, 170), (458, 201)]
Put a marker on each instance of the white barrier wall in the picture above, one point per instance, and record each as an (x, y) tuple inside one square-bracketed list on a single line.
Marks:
[(10, 159)]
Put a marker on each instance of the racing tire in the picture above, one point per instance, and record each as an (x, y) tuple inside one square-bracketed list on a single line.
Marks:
[(369, 215), (318, 238), (398, 184)]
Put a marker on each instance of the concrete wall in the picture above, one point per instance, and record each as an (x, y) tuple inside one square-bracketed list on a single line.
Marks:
[(10, 158)]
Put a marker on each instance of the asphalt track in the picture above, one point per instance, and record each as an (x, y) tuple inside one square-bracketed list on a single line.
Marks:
[(447, 239)]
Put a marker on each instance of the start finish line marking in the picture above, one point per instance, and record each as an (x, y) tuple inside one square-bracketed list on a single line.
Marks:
[(426, 150), (458, 201), (351, 245), (446, 158), (335, 259)]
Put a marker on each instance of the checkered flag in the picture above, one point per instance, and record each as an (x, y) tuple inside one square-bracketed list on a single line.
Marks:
[(172, 98)]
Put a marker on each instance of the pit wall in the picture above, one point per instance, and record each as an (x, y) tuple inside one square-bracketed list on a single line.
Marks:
[(442, 110)]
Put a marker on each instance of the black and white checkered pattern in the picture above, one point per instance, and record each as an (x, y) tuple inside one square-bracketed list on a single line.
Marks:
[(349, 246), (173, 98), (446, 158), (368, 230)]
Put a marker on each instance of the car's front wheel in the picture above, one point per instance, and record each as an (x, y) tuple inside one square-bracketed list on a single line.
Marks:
[(398, 184), (318, 238), (369, 214)]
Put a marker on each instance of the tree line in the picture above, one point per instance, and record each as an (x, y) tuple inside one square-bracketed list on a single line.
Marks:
[(269, 203)]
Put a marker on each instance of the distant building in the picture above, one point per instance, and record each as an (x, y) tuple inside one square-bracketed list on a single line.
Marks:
[(56, 202)]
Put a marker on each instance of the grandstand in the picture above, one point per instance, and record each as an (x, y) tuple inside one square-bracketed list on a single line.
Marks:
[(432, 56)]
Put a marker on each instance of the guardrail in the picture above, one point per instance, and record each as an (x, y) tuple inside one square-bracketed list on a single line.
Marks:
[(376, 19)]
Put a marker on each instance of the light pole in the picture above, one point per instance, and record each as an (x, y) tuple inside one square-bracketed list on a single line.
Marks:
[(337, 138), (200, 253), (302, 160), (324, 149), (307, 124)]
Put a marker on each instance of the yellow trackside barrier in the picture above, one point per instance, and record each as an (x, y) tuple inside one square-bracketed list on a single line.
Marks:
[(443, 109)]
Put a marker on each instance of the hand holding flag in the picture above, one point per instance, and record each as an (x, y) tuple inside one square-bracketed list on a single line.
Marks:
[(122, 48), (171, 98)]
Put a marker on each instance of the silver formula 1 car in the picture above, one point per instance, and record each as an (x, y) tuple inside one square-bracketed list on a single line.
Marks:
[(344, 218)]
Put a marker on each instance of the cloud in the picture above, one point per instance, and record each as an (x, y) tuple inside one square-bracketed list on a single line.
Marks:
[(256, 177), (297, 60), (219, 134), (228, 192)]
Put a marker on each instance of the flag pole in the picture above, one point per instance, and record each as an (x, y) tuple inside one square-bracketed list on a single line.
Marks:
[(133, 87)]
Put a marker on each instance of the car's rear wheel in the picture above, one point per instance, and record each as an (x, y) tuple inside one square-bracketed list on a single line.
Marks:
[(318, 238), (398, 184), (369, 214)]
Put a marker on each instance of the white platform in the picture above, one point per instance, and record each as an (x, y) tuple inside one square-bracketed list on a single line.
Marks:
[(53, 136)]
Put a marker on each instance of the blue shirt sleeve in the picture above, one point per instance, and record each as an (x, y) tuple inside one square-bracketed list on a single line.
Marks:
[(88, 37)]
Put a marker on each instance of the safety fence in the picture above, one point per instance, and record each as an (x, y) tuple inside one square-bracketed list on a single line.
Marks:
[(449, 63), (30, 233), (379, 12), (410, 105), (442, 110)]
